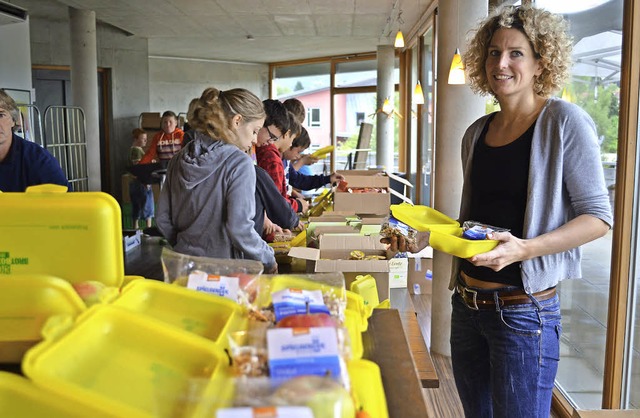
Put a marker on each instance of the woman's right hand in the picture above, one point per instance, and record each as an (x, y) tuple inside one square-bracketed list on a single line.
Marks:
[(273, 269)]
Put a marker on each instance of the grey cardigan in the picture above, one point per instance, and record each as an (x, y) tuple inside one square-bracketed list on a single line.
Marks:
[(565, 180)]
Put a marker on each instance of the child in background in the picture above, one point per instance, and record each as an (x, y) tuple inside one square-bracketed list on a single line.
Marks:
[(294, 160), (269, 157), (293, 156), (141, 195)]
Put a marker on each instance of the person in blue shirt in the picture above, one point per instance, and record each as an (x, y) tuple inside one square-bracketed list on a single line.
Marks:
[(23, 163)]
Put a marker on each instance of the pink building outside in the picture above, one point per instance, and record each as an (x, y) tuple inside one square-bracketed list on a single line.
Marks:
[(350, 111)]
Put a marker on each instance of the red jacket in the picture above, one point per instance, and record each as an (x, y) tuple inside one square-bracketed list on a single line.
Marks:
[(163, 146), (270, 159)]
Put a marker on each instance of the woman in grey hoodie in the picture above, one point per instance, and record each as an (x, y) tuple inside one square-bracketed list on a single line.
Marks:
[(207, 204)]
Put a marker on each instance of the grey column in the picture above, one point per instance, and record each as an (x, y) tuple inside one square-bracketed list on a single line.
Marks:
[(457, 107), (84, 84), (384, 124)]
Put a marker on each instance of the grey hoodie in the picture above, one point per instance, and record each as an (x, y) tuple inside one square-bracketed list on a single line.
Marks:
[(207, 204)]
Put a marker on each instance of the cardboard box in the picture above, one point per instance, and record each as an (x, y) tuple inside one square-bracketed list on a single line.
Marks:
[(419, 264), (333, 253), (363, 203)]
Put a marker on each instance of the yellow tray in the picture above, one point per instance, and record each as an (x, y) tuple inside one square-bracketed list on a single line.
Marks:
[(453, 243), (322, 152), (366, 385), (366, 287), (75, 236), (422, 218), (20, 398), (126, 364), (26, 302), (209, 316)]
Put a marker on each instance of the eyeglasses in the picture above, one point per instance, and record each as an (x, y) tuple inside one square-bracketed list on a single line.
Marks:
[(272, 136)]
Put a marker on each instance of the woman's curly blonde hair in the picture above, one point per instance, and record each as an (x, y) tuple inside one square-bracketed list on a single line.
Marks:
[(547, 34), (213, 112)]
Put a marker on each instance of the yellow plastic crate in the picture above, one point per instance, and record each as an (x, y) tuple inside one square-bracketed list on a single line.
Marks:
[(206, 315), (75, 236), (26, 302), (352, 323), (367, 389), (128, 365), (453, 243), (20, 398), (366, 287)]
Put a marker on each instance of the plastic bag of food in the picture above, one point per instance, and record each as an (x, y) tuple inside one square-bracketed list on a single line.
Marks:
[(294, 293), (300, 397), (478, 231), (233, 279), (393, 227)]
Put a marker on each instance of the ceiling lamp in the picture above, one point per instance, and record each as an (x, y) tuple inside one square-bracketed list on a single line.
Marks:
[(418, 95), (456, 72), (399, 43)]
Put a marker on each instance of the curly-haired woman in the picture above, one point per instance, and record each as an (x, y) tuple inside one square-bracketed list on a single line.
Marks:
[(533, 168)]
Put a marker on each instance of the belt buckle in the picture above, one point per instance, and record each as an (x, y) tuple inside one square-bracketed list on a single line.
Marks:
[(474, 298)]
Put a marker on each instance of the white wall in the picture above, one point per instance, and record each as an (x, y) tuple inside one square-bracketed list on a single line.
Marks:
[(174, 82), (15, 50)]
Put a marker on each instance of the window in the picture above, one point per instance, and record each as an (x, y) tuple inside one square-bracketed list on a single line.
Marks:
[(313, 117)]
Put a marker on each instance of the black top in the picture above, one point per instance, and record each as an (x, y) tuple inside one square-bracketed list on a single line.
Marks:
[(499, 184), (269, 199)]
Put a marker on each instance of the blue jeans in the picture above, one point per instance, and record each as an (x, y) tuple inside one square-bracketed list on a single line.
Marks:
[(505, 361)]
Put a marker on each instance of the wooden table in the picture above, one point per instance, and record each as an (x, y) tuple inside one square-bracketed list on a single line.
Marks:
[(393, 340)]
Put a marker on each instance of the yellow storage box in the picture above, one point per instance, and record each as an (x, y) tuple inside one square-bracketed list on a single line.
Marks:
[(203, 314), (367, 389), (26, 302), (422, 218), (75, 236), (20, 398), (128, 365)]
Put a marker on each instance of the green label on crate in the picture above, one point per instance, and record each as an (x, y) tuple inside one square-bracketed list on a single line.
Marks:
[(6, 262)]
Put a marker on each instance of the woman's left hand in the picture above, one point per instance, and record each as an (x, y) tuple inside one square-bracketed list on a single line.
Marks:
[(510, 249)]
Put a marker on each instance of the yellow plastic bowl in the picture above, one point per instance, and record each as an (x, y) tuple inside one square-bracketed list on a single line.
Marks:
[(451, 242), (126, 364), (19, 397), (209, 316), (421, 218), (26, 302)]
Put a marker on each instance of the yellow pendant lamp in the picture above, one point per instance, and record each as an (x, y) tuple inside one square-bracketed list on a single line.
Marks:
[(399, 43), (418, 94), (456, 72)]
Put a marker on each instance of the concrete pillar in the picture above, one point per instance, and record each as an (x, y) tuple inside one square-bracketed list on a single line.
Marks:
[(84, 84), (457, 108), (384, 124)]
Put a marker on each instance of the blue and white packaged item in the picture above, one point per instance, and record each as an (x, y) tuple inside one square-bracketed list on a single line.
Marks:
[(478, 231), (303, 351), (224, 286), (290, 301)]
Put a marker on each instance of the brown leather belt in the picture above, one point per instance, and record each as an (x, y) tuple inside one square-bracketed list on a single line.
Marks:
[(482, 299)]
